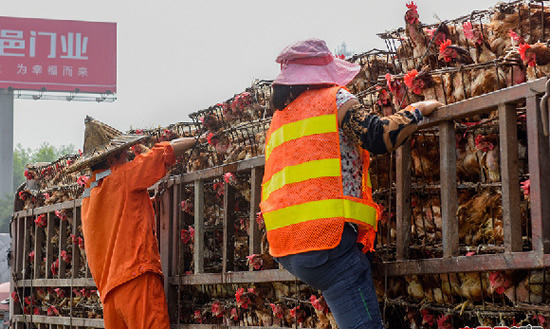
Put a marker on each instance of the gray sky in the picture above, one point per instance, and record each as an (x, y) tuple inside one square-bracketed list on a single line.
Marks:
[(178, 57)]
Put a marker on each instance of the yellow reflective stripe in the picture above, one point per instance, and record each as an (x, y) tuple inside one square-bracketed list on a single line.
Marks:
[(294, 130), (369, 184), (300, 173), (330, 208)]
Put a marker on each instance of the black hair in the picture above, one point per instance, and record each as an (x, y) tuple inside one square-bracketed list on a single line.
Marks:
[(286, 94), (100, 165)]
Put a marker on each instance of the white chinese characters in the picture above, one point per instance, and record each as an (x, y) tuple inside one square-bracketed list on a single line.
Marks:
[(16, 43)]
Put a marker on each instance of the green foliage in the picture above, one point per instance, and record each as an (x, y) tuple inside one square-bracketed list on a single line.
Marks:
[(21, 157)]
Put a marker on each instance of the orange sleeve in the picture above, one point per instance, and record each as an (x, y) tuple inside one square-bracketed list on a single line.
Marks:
[(146, 169)]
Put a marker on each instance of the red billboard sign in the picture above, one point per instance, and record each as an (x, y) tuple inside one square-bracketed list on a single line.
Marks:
[(57, 55)]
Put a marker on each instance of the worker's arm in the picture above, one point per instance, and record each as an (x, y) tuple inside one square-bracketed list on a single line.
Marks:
[(181, 145)]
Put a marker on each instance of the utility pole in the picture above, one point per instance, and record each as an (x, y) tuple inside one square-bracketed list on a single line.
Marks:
[(6, 142)]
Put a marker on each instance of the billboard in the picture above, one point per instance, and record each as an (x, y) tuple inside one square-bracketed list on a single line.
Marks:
[(57, 55)]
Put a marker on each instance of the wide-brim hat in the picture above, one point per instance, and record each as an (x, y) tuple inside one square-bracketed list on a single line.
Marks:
[(310, 62), (100, 141)]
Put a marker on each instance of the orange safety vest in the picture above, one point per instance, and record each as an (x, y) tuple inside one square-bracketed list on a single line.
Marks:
[(303, 202)]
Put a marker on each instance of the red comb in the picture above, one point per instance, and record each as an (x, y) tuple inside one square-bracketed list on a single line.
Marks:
[(444, 45), (522, 48), (409, 77), (512, 34), (468, 30), (411, 5)]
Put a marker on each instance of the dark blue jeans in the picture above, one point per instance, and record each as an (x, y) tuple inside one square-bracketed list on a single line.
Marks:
[(343, 275)]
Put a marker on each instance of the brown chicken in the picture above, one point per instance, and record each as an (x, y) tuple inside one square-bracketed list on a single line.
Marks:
[(523, 18), (425, 157), (480, 217), (415, 32), (425, 84), (537, 59), (426, 212), (489, 159), (482, 49), (467, 158), (454, 55)]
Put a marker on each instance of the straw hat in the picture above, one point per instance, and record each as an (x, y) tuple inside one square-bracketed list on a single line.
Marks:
[(100, 141), (310, 62)]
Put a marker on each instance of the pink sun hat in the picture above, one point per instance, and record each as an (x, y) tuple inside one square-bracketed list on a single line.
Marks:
[(310, 62)]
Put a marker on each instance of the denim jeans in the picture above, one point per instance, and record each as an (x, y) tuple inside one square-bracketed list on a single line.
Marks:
[(344, 276)]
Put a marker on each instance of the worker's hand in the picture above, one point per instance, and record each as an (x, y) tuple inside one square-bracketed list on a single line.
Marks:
[(427, 107)]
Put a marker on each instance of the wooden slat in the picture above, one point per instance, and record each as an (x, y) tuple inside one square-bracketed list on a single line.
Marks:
[(29, 225), (403, 206), (76, 282), (63, 228), (449, 193), (235, 277), (254, 242), (228, 248), (476, 263), (38, 254), (77, 259), (49, 246), (539, 175), (509, 164), (485, 103), (219, 171), (58, 320), (19, 252), (165, 218), (198, 256), (175, 239)]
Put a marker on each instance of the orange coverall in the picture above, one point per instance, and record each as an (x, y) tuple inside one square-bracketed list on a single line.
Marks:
[(121, 247)]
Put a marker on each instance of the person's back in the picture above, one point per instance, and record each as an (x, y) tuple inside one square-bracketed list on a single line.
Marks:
[(118, 219)]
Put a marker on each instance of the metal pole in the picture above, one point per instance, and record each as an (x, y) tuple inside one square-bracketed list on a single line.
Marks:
[(6, 142)]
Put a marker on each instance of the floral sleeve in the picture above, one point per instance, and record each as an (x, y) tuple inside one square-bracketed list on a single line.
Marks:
[(379, 134)]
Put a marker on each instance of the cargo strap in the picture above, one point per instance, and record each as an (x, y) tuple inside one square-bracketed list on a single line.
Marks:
[(98, 178)]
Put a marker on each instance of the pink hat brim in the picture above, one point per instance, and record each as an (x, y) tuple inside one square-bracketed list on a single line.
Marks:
[(338, 72)]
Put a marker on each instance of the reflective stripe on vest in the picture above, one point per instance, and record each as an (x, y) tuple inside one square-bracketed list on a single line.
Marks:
[(294, 130), (320, 209), (300, 173)]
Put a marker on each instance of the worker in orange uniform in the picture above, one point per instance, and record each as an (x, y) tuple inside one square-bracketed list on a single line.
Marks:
[(316, 193), (118, 225)]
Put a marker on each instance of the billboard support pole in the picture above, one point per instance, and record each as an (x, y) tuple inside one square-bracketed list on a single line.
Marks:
[(6, 142)]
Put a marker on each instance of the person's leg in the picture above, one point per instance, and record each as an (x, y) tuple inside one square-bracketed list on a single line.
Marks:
[(352, 298), (112, 319), (344, 276), (142, 303)]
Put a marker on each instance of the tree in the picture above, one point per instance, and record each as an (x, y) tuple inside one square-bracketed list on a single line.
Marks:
[(21, 157)]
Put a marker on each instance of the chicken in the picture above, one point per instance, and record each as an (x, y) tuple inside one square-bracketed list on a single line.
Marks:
[(425, 84), (537, 59), (524, 18), (467, 159), (489, 159), (454, 54), (414, 31), (426, 214), (425, 157), (480, 217), (399, 92), (483, 51), (519, 287), (415, 288), (475, 287)]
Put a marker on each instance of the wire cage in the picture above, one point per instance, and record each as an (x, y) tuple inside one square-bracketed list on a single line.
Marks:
[(374, 63), (250, 105)]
